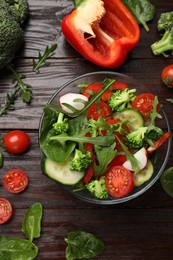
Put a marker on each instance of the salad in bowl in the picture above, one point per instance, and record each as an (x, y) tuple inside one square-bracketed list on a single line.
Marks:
[(104, 137)]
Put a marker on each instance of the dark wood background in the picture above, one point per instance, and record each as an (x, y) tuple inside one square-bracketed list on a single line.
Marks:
[(140, 229)]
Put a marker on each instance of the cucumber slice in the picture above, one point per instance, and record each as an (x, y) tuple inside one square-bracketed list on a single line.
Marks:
[(61, 172), (144, 174), (133, 117)]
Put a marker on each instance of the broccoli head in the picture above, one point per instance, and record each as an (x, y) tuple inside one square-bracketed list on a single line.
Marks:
[(151, 137), (98, 188), (61, 126), (165, 25), (81, 161), (11, 33), (135, 139), (122, 99), (21, 7), (165, 21)]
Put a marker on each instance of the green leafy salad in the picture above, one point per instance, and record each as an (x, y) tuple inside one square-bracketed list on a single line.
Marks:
[(102, 138)]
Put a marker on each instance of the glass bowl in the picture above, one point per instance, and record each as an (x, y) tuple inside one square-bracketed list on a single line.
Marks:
[(163, 151)]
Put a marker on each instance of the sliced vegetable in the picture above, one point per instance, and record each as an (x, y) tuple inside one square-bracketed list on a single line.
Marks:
[(77, 101), (93, 87), (101, 31), (6, 210), (132, 116), (15, 180), (61, 172), (144, 175), (16, 141), (141, 157), (119, 181), (96, 110), (167, 76), (158, 143)]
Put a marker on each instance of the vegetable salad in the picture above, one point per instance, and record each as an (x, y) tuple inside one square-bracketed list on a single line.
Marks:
[(102, 138)]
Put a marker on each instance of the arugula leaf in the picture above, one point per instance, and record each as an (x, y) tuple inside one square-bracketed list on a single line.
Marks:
[(170, 100), (9, 102), (42, 59), (23, 89), (142, 10), (104, 156), (83, 245)]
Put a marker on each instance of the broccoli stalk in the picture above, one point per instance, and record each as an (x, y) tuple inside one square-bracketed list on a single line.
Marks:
[(135, 139), (165, 26), (61, 126), (81, 161), (122, 99), (98, 188)]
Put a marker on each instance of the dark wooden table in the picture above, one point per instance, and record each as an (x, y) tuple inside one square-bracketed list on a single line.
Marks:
[(140, 229)]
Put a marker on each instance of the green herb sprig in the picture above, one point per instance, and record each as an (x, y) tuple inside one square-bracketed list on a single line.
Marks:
[(42, 59)]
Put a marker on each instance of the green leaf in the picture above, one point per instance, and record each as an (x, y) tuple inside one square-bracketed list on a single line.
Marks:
[(166, 180), (142, 10), (31, 226), (170, 100), (9, 102), (42, 59), (83, 245), (12, 248)]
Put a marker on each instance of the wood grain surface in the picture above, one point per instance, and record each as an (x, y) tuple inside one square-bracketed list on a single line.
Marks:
[(138, 230)]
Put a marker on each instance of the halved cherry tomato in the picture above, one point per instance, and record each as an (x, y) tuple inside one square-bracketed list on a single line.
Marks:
[(6, 210), (15, 180), (144, 103), (88, 174), (118, 160), (158, 143), (117, 85), (94, 87), (167, 76), (119, 181), (102, 109), (106, 96), (16, 141)]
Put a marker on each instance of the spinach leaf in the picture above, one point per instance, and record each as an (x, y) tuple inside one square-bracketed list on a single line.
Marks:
[(81, 244), (31, 226), (16, 248), (104, 155), (142, 10)]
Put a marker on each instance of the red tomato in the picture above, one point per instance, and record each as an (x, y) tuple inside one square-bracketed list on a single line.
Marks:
[(16, 141), (144, 103), (117, 85), (6, 210), (95, 87), (89, 174), (167, 76), (106, 96), (15, 180), (118, 160), (95, 110), (158, 143), (119, 181)]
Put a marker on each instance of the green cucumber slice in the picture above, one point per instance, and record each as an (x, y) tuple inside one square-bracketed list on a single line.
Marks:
[(144, 174), (61, 172), (133, 117)]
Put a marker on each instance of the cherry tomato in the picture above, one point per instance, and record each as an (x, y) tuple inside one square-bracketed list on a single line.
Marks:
[(95, 110), (119, 181), (94, 87), (15, 180), (167, 76), (158, 143), (144, 103), (6, 210), (117, 85), (16, 141), (89, 174), (106, 96), (118, 160)]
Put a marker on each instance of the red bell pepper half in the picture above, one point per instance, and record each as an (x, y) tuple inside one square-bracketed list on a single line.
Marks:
[(103, 31)]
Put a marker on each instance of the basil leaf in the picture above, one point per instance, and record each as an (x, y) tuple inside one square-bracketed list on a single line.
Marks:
[(83, 245), (142, 10), (31, 226), (12, 248)]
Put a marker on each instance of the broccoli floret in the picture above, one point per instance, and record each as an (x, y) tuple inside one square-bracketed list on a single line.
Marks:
[(135, 139), (122, 99), (11, 33), (165, 25), (96, 126), (61, 126), (165, 21), (81, 161), (98, 188), (21, 7), (151, 137)]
